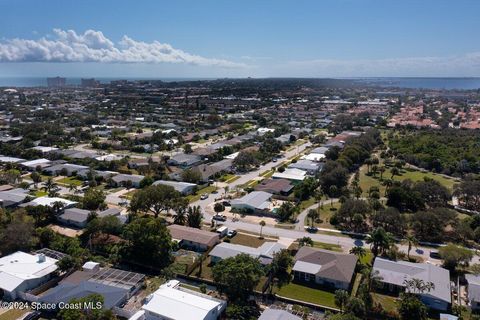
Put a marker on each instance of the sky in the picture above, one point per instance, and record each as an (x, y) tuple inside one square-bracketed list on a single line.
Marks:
[(243, 38)]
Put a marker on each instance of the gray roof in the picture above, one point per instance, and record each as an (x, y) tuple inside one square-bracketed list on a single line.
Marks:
[(13, 196), (326, 264), (185, 159), (473, 287), (320, 150), (305, 165), (135, 178), (265, 252), (109, 212), (276, 314), (256, 199), (396, 272), (181, 187), (75, 214)]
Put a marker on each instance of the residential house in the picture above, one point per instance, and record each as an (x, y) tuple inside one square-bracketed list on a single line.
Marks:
[(323, 267), (13, 197), (193, 238), (277, 314), (37, 163), (211, 170), (114, 285), (126, 179), (264, 253), (21, 272), (74, 217), (292, 174), (48, 202), (275, 186), (393, 275), (311, 167), (184, 160), (65, 168), (256, 202), (184, 188), (473, 291), (173, 302)]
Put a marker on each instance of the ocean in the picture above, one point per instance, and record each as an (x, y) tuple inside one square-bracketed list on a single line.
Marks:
[(409, 83)]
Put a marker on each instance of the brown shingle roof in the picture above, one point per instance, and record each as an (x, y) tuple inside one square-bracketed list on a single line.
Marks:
[(194, 235), (334, 265)]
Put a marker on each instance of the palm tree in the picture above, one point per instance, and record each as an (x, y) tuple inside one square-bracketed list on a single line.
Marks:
[(395, 172), (50, 185), (371, 278), (379, 240), (72, 188), (312, 215), (381, 169), (360, 252), (410, 240), (194, 217), (262, 224), (180, 218), (226, 189), (333, 191)]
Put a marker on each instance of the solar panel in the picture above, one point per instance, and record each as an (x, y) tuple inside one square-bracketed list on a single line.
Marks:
[(117, 278), (52, 253)]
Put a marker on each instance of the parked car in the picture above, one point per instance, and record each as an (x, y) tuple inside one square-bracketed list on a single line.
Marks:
[(231, 233), (204, 196), (435, 254), (219, 217), (226, 203)]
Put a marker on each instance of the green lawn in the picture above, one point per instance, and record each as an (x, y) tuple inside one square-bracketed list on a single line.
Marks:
[(326, 213), (70, 180), (306, 203), (40, 193), (327, 246), (367, 259), (250, 241), (308, 294), (388, 303), (367, 181), (198, 194)]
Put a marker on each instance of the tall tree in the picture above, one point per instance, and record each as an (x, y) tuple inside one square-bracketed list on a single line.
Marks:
[(194, 217)]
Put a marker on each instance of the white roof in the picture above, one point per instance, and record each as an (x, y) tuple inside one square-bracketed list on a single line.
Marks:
[(10, 159), (47, 201), (20, 266), (307, 267), (290, 174), (109, 157), (232, 156), (313, 157), (173, 303), (36, 162), (44, 149)]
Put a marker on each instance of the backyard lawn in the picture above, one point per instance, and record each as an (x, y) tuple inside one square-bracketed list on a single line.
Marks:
[(308, 294), (388, 303), (326, 213)]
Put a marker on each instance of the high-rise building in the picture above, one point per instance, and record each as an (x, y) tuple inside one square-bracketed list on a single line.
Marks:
[(56, 82), (89, 83)]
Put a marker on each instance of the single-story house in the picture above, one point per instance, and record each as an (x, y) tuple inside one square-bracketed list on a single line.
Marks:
[(208, 171), (184, 160), (12, 197), (69, 168), (317, 157), (6, 159), (292, 174), (277, 314), (84, 174), (327, 268), (184, 188), (171, 301), (48, 202), (74, 217), (473, 290), (275, 186), (264, 253), (256, 201), (20, 272), (394, 274), (43, 149), (311, 167), (116, 286), (193, 238), (34, 164), (123, 179)]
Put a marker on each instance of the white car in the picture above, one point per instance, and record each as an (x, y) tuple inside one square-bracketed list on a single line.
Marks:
[(204, 196)]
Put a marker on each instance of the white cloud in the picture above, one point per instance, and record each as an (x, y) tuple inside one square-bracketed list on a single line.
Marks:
[(94, 46)]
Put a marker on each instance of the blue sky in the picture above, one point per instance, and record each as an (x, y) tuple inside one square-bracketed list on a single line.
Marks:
[(329, 38)]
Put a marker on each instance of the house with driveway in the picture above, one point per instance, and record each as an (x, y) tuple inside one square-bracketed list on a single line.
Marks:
[(393, 275), (264, 253), (193, 238), (255, 202), (323, 267)]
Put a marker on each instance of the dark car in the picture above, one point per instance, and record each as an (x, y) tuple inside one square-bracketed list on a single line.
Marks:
[(435, 255), (226, 203), (219, 217)]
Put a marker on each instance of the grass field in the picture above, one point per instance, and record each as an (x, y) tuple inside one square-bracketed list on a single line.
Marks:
[(198, 194), (308, 294), (70, 180), (326, 213), (40, 193), (388, 303), (366, 181), (249, 241)]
